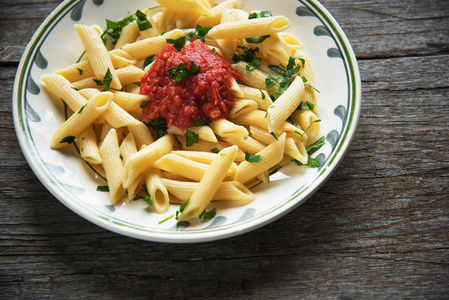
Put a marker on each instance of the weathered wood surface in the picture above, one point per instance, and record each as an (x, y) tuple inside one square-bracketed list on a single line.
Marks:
[(379, 228)]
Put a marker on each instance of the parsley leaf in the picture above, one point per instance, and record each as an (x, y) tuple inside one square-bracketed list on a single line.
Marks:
[(114, 29), (306, 106), (102, 188), (178, 44), (315, 146), (142, 21), (166, 219), (182, 72), (148, 61), (257, 40), (282, 74), (181, 209), (159, 125), (200, 32), (261, 14), (106, 80), (191, 138), (82, 54), (312, 162), (202, 122), (143, 104), (148, 199), (207, 215), (252, 158), (82, 108), (68, 139), (215, 150), (249, 56), (80, 71)]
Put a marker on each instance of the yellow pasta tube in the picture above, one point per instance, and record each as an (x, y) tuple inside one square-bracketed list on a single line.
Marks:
[(246, 143), (242, 106), (204, 132), (271, 155), (81, 119), (285, 105), (209, 184), (128, 101), (261, 96), (114, 115), (185, 167), (194, 6), (209, 146), (145, 158), (97, 54), (142, 134), (61, 88), (158, 192), (307, 72), (227, 190), (223, 127), (151, 46), (250, 28), (88, 146), (129, 74), (308, 121), (128, 148), (110, 154)]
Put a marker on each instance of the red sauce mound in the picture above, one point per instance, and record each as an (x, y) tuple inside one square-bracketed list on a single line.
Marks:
[(206, 95)]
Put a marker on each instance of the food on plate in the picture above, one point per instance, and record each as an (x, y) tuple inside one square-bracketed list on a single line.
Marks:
[(190, 102)]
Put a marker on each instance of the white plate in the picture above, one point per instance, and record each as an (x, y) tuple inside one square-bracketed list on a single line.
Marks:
[(56, 45)]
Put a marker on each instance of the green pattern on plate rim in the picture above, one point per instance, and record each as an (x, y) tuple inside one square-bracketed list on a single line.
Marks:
[(249, 218)]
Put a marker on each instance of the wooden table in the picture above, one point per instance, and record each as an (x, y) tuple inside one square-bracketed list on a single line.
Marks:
[(377, 229)]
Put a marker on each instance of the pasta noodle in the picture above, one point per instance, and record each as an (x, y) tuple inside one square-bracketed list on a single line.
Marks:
[(271, 120)]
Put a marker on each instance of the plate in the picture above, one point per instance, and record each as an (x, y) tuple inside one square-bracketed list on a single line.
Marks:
[(36, 116)]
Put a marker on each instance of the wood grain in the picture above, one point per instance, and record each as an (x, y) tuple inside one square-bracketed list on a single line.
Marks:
[(379, 227)]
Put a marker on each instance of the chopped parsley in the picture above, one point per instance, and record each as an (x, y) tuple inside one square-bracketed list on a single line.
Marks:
[(191, 138), (306, 106), (142, 21), (304, 79), (200, 32), (82, 54), (252, 158), (311, 161), (181, 209), (106, 80), (263, 94), (159, 125), (82, 108), (202, 122), (178, 44), (316, 121), (121, 157), (148, 61), (261, 14), (166, 219), (80, 71), (143, 104), (207, 215), (257, 40), (102, 188), (215, 150), (148, 199), (248, 56), (114, 29), (181, 71), (315, 146), (255, 15), (68, 139)]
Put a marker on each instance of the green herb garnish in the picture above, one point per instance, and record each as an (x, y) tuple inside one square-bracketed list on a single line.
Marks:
[(143, 104), (181, 209), (142, 21), (181, 71), (249, 56), (114, 29), (215, 150), (148, 61), (262, 14), (106, 80), (80, 71), (315, 146), (102, 188), (159, 125), (68, 139), (191, 138), (252, 158), (166, 219), (202, 122), (178, 44), (207, 215), (200, 32)]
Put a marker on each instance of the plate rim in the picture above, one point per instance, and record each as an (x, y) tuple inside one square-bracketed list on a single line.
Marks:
[(316, 181)]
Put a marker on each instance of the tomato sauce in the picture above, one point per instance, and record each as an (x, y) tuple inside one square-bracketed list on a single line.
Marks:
[(206, 95)]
